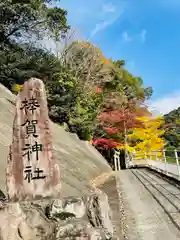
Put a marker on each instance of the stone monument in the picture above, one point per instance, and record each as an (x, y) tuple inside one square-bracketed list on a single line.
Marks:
[(32, 171)]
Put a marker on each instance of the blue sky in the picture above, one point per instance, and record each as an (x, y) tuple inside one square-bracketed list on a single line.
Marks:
[(145, 33)]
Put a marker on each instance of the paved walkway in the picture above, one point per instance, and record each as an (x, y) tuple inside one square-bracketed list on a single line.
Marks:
[(145, 218)]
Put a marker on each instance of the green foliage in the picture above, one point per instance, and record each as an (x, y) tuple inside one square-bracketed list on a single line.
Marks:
[(61, 95), (24, 61), (88, 62), (70, 103), (71, 81), (124, 87), (131, 86), (172, 131), (119, 63), (23, 19)]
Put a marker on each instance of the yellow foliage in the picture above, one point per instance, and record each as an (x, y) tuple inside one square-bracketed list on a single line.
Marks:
[(125, 146), (16, 88), (106, 61), (149, 138)]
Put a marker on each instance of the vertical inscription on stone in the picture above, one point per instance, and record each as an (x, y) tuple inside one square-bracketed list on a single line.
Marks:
[(30, 126), (30, 104), (32, 171)]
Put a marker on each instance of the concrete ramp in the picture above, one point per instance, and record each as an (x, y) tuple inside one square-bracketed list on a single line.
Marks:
[(151, 206)]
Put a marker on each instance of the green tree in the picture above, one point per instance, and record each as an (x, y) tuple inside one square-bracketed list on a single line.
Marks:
[(70, 104), (25, 61), (21, 22), (172, 129), (21, 19), (88, 62)]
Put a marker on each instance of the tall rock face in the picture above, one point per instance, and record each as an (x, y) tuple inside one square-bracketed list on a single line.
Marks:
[(78, 161), (32, 170), (42, 209)]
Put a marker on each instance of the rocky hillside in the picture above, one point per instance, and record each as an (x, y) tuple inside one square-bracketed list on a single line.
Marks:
[(79, 161)]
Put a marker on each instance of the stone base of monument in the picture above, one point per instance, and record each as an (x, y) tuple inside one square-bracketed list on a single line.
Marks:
[(88, 217)]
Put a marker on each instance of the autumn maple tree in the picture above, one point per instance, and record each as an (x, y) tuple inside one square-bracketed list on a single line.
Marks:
[(105, 143), (148, 138), (116, 119), (115, 122)]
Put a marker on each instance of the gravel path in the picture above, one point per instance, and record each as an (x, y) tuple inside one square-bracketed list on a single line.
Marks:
[(142, 217)]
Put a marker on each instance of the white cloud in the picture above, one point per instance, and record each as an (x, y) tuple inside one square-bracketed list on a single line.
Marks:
[(109, 19), (143, 35), (167, 103), (126, 37), (109, 8), (91, 17), (100, 26)]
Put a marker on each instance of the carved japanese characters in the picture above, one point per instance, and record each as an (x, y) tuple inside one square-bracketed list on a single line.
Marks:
[(32, 171)]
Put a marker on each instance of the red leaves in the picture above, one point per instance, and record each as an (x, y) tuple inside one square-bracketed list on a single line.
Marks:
[(112, 116), (117, 118), (111, 130), (103, 143), (98, 90), (118, 121)]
